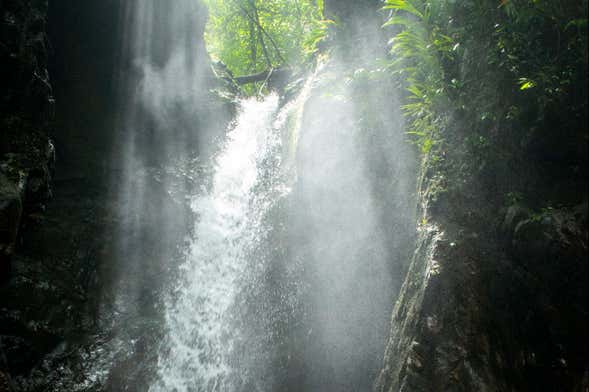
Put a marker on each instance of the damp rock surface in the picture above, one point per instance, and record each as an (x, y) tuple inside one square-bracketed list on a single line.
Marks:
[(491, 302)]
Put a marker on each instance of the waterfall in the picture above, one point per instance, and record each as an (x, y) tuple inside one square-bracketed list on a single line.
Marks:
[(193, 216), (225, 279), (198, 351)]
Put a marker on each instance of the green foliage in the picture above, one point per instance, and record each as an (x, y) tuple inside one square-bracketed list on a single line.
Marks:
[(544, 213), (254, 35), (513, 198), (418, 49), (512, 63)]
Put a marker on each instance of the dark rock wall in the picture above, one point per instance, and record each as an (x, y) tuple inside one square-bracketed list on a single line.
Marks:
[(27, 104), (26, 153), (496, 295), (26, 109), (49, 303), (85, 47)]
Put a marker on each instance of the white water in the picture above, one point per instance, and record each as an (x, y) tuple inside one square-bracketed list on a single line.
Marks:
[(168, 119), (197, 354)]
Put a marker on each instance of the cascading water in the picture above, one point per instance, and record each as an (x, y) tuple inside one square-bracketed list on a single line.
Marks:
[(198, 353), (181, 318)]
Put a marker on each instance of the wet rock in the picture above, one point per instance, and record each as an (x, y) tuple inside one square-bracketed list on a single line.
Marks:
[(32, 175), (550, 236), (5, 382), (26, 170), (497, 303), (514, 215), (25, 103), (533, 240), (11, 207)]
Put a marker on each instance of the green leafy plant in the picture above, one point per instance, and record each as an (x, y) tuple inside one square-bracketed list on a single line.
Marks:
[(508, 64), (417, 51)]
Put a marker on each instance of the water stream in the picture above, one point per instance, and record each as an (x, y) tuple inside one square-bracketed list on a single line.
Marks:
[(199, 350)]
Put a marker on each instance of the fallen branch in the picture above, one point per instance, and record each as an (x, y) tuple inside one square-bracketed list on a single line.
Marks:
[(253, 78)]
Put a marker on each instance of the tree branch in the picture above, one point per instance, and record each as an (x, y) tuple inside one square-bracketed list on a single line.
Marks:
[(255, 19), (257, 77), (264, 76)]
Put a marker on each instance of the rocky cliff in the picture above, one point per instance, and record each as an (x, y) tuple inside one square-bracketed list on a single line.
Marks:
[(26, 153), (495, 298)]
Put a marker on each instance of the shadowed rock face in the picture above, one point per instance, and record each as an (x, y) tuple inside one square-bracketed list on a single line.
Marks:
[(495, 297), (85, 47), (26, 160), (478, 313), (26, 109)]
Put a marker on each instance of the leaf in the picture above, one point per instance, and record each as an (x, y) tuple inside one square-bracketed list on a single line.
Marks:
[(403, 5), (578, 23), (397, 20), (526, 84), (321, 6)]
